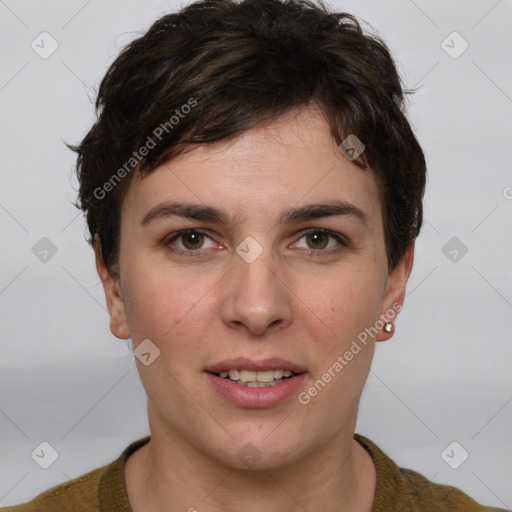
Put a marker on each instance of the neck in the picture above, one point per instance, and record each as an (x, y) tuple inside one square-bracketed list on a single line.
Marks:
[(169, 474)]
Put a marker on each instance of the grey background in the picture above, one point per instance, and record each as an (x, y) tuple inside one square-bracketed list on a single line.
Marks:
[(444, 377)]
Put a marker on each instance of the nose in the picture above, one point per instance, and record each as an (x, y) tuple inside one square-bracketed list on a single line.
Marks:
[(257, 298)]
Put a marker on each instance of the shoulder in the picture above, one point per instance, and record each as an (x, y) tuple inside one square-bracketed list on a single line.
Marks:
[(69, 496), (404, 490), (100, 489), (418, 493)]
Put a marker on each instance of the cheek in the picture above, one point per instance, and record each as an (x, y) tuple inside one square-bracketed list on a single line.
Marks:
[(338, 321), (347, 304), (171, 307), (151, 303)]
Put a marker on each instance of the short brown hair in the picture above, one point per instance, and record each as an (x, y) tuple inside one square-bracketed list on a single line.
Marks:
[(239, 64)]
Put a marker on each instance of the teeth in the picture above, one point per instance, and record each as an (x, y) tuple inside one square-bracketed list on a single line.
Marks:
[(266, 376), (250, 377), (260, 384), (234, 375)]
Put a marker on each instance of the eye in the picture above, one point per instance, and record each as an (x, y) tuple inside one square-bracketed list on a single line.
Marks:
[(317, 241), (190, 241)]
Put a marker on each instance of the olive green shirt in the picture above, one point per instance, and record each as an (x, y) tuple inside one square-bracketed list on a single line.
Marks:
[(397, 490)]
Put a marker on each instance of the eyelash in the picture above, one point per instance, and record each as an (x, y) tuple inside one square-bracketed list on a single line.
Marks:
[(312, 252)]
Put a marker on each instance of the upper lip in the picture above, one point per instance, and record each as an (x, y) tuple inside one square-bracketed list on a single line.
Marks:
[(242, 363)]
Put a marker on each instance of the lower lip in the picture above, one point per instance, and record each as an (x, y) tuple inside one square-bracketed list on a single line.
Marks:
[(257, 398)]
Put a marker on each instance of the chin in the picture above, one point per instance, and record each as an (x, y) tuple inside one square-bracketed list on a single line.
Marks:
[(258, 453)]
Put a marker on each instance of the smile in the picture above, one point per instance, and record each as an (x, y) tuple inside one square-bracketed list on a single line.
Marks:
[(260, 379)]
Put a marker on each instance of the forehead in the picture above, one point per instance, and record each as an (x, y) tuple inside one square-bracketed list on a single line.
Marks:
[(292, 160)]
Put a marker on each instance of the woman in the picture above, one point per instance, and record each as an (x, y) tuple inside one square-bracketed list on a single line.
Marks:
[(253, 191)]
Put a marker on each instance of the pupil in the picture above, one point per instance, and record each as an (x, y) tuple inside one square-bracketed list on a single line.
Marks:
[(196, 239), (316, 236)]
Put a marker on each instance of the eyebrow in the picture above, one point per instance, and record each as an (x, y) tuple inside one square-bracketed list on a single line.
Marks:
[(290, 216)]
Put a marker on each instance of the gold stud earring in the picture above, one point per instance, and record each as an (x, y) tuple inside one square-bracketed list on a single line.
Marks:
[(388, 327)]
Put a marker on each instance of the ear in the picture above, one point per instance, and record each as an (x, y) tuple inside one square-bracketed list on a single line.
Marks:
[(115, 303), (394, 295)]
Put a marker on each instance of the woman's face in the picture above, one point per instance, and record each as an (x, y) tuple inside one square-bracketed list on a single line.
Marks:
[(250, 283)]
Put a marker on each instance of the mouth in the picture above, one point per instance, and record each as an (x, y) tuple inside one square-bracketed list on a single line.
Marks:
[(262, 384), (256, 374)]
